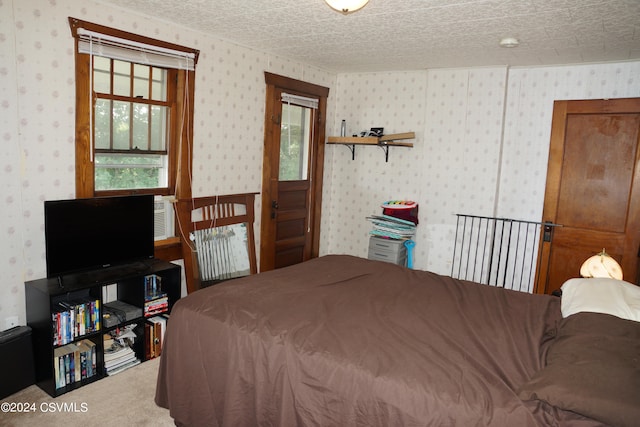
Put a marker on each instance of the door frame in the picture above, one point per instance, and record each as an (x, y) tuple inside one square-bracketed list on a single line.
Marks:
[(274, 83), (561, 109)]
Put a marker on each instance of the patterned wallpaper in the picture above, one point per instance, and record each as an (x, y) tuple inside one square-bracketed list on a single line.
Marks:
[(530, 96), (37, 104), (396, 102), (481, 147), (481, 134)]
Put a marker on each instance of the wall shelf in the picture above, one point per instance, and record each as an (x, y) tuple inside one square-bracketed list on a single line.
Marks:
[(383, 142)]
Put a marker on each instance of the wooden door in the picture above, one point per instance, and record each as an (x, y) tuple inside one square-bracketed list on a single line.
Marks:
[(291, 190), (593, 189)]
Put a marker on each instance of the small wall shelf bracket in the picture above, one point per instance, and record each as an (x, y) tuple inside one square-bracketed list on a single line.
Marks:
[(385, 148), (352, 148)]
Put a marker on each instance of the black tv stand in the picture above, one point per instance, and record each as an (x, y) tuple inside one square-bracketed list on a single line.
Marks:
[(104, 274), (46, 298)]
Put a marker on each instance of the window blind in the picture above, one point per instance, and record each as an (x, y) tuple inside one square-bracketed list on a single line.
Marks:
[(302, 101), (93, 43)]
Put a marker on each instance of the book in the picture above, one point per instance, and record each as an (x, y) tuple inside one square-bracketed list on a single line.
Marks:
[(86, 357), (153, 287), (116, 351), (114, 364), (155, 328), (156, 306), (58, 367), (148, 347), (108, 341), (162, 320), (74, 362), (123, 355), (124, 367), (74, 318), (117, 355), (391, 227)]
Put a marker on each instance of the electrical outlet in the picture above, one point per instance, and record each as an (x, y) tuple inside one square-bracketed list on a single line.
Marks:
[(10, 322)]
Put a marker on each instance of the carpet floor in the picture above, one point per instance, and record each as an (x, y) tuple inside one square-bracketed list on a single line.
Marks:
[(125, 399)]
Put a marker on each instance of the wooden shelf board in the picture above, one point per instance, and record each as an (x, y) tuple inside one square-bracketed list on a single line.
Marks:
[(368, 140), (384, 142), (394, 136), (372, 140)]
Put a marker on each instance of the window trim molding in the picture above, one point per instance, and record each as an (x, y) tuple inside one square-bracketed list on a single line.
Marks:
[(75, 24), (182, 81)]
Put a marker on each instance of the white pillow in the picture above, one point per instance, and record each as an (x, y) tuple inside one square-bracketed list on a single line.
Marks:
[(599, 295)]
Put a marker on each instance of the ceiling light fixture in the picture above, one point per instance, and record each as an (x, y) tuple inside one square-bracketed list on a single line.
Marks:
[(346, 6), (509, 42)]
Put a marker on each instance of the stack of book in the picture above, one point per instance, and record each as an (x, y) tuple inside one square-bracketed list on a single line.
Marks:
[(392, 227), (154, 333), (118, 357), (155, 301), (74, 362), (75, 318), (156, 306)]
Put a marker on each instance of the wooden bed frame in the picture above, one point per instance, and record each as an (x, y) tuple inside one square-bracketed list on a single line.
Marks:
[(220, 210)]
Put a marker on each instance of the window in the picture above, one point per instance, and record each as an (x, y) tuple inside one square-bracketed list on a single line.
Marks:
[(134, 113), (131, 125), (295, 137)]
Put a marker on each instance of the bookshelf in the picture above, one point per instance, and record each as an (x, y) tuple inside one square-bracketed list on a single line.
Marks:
[(384, 142), (70, 318)]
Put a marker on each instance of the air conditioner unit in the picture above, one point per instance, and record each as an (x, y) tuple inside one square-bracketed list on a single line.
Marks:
[(163, 217)]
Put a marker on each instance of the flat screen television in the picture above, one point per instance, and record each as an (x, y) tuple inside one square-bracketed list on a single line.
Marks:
[(83, 234)]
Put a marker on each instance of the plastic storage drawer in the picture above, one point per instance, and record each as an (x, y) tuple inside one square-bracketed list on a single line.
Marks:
[(388, 250)]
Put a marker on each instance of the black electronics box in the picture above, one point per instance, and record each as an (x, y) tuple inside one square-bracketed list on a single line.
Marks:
[(116, 312), (16, 355)]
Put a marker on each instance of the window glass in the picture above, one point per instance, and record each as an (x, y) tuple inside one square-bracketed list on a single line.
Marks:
[(159, 84), (101, 74), (294, 142), (102, 124), (126, 171), (121, 78), (140, 131), (159, 127), (121, 119), (141, 81)]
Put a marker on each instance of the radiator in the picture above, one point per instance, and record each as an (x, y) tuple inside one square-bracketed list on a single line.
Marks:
[(222, 252)]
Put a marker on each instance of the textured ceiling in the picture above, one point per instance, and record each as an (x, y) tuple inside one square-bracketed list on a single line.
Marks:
[(415, 34)]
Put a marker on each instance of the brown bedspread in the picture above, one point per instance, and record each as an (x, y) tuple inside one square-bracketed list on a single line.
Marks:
[(344, 341)]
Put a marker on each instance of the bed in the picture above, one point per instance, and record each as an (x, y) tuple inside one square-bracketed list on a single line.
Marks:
[(345, 341)]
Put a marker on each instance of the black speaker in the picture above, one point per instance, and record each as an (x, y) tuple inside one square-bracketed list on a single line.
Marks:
[(16, 360)]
